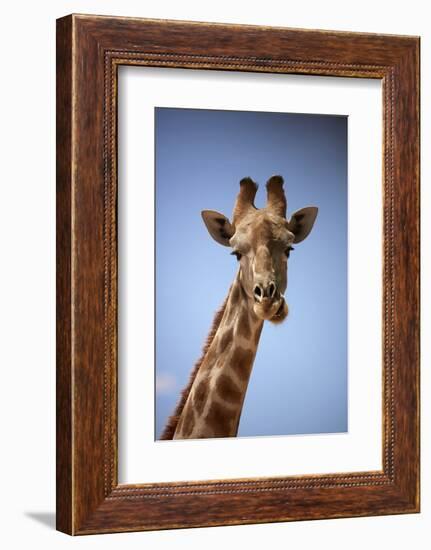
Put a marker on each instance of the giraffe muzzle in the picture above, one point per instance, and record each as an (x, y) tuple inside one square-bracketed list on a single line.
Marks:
[(271, 309), (265, 291), (281, 313)]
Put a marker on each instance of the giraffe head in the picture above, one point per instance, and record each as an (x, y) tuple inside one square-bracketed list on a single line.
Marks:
[(262, 240)]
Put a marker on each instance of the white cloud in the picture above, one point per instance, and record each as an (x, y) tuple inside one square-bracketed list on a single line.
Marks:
[(165, 383)]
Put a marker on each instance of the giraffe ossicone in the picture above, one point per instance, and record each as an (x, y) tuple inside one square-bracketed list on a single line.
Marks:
[(262, 240)]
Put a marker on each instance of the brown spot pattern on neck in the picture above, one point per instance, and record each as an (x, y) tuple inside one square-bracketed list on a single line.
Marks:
[(218, 383)]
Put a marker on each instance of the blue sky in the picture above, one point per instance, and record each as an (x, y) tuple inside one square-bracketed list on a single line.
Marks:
[(299, 379)]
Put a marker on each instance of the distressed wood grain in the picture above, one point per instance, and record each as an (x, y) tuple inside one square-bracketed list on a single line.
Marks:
[(89, 51)]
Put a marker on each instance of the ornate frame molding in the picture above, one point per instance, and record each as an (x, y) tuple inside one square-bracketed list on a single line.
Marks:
[(90, 49)]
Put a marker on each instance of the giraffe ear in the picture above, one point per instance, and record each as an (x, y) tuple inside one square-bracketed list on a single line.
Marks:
[(219, 227), (302, 221)]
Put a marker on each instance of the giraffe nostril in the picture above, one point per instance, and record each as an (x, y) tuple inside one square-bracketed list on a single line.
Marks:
[(257, 292), (271, 290)]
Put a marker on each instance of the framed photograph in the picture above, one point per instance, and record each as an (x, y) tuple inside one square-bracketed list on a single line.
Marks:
[(237, 274)]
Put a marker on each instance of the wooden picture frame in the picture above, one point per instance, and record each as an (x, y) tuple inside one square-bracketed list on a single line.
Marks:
[(89, 51)]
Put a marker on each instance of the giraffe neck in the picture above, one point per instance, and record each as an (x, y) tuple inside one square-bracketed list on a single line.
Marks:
[(214, 404)]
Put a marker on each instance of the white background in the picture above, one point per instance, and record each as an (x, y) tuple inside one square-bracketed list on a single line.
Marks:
[(141, 459), (27, 406)]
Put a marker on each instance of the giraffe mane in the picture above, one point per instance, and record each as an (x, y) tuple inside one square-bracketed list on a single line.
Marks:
[(172, 423)]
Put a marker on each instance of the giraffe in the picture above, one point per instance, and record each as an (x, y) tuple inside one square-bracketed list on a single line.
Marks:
[(261, 239)]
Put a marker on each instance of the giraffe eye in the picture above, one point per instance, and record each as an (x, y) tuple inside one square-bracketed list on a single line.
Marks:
[(288, 251), (237, 254)]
